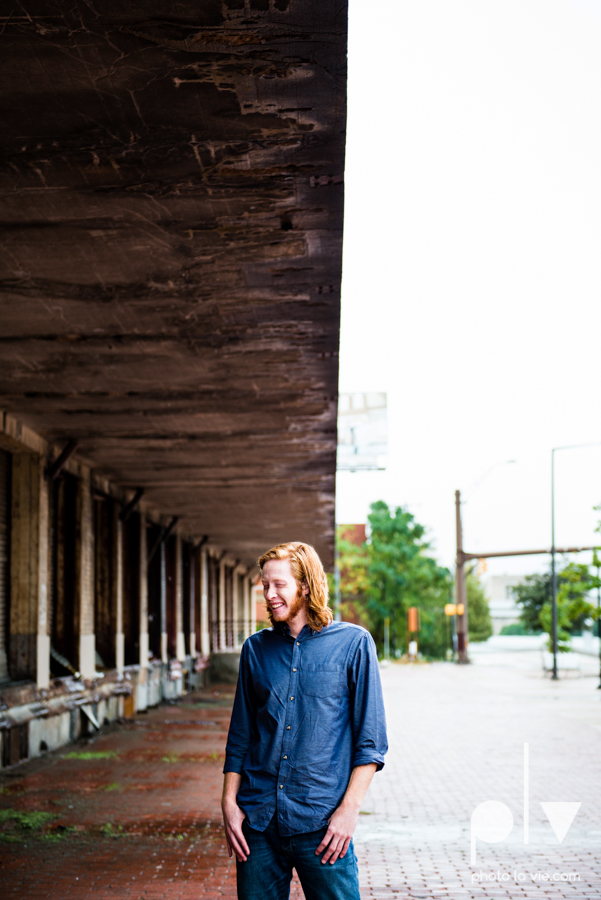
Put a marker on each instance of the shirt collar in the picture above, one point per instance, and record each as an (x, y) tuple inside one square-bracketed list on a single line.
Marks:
[(282, 628)]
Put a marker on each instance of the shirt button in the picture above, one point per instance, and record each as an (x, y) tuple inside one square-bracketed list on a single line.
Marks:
[(281, 786), (287, 727), (292, 698), (294, 670), (297, 644), (285, 757)]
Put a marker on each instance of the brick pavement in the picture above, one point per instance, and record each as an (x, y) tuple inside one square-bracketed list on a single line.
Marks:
[(139, 817), (456, 740)]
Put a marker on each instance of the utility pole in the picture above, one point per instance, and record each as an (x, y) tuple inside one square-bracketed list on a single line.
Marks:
[(460, 589), (553, 574)]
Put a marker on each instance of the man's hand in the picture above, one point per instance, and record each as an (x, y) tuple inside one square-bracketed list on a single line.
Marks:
[(337, 838), (233, 818), (343, 821)]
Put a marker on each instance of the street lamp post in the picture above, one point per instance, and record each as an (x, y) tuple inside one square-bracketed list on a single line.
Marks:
[(553, 572), (598, 567), (553, 576)]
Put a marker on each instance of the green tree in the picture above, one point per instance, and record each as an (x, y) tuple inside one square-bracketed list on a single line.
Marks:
[(574, 582), (531, 595), (352, 563), (393, 571), (479, 623)]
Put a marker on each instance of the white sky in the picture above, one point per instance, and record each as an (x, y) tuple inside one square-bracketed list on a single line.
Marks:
[(472, 264)]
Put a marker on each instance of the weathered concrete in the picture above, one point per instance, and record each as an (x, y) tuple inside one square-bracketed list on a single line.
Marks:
[(172, 219)]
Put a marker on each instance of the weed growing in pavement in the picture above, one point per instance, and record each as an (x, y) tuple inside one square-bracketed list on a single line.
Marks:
[(16, 824), (190, 757), (29, 821), (113, 830), (115, 786), (58, 834), (92, 754)]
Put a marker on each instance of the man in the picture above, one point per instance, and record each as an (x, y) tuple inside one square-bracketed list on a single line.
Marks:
[(306, 736)]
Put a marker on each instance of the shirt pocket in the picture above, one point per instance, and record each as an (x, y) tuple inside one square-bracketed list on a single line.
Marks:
[(321, 679)]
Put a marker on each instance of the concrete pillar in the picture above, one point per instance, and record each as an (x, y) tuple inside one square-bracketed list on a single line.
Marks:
[(205, 637), (180, 643), (43, 636), (235, 615), (192, 599), (164, 637), (143, 588), (252, 604), (117, 555), (29, 641), (84, 589), (222, 633)]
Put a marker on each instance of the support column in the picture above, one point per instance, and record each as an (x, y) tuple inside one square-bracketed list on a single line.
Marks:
[(164, 639), (180, 644), (253, 605), (117, 554), (28, 617), (222, 638), (143, 588), (191, 600), (43, 636), (205, 637), (235, 607), (84, 589)]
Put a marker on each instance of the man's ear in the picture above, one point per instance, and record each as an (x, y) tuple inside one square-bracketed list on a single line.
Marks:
[(304, 588)]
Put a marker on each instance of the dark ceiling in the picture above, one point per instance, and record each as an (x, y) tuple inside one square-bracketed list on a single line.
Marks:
[(172, 199)]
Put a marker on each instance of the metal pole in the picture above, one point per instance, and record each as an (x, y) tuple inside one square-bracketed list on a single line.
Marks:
[(460, 590), (599, 625), (553, 574)]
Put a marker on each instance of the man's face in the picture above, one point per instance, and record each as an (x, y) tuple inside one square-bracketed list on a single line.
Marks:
[(285, 598)]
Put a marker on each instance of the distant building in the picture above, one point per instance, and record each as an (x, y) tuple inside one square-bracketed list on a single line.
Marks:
[(362, 432), (350, 609), (500, 590)]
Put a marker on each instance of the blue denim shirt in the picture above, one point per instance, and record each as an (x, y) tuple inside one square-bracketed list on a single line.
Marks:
[(307, 711)]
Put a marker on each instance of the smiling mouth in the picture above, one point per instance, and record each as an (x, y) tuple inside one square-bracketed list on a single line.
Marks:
[(275, 606)]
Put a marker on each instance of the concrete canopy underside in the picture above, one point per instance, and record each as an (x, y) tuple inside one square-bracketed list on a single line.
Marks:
[(172, 198)]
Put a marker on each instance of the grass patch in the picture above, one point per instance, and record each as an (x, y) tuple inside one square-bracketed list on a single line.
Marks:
[(58, 834), (112, 787), (27, 821), (191, 757), (92, 754), (112, 830)]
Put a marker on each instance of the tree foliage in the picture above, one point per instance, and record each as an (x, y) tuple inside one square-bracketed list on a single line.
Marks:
[(479, 623), (574, 582), (392, 571)]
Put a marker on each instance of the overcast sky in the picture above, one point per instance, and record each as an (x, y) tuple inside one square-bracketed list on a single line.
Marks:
[(472, 264)]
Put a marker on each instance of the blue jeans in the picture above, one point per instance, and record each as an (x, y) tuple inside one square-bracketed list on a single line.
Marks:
[(267, 873)]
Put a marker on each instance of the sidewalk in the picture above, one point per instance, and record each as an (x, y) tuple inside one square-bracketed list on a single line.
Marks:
[(456, 736), (135, 814)]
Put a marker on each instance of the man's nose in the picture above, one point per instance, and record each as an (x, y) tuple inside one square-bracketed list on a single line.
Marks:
[(270, 592)]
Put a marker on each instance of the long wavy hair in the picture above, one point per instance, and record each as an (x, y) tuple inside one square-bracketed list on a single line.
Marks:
[(306, 567)]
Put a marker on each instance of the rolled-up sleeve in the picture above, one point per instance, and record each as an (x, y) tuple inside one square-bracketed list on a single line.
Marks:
[(367, 705), (242, 722)]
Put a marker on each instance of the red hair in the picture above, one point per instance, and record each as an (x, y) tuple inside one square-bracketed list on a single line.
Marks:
[(308, 569)]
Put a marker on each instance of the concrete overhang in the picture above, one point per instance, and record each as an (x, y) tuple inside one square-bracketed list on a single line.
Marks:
[(172, 199)]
